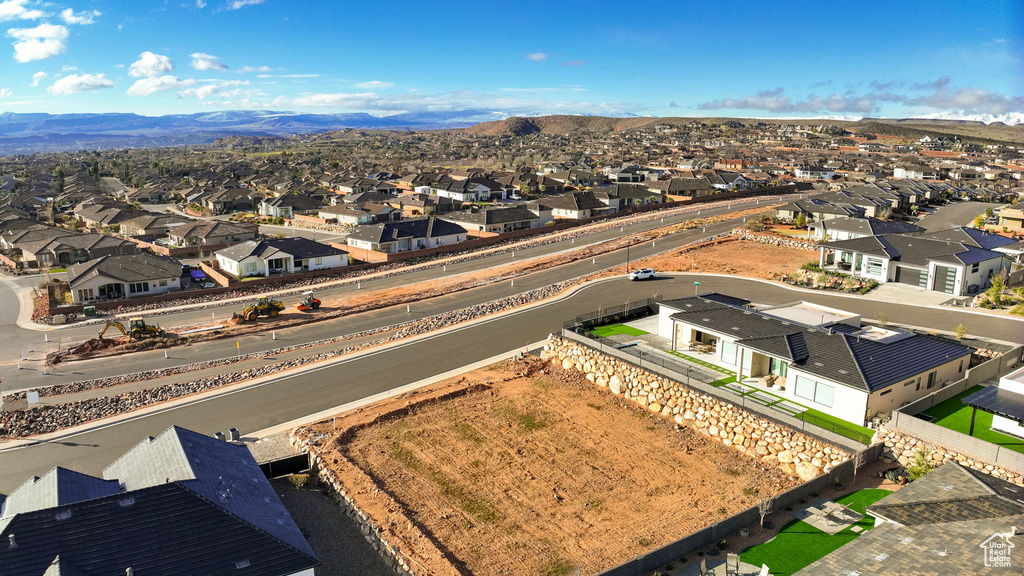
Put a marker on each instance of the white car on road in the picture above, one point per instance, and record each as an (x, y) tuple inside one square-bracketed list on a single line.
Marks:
[(641, 274)]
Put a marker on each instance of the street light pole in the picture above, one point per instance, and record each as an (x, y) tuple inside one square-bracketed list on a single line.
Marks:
[(627, 258)]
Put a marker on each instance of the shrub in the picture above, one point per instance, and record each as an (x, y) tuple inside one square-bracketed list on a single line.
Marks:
[(921, 465), (299, 481)]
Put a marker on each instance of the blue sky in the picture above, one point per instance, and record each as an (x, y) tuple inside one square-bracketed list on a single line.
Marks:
[(681, 58)]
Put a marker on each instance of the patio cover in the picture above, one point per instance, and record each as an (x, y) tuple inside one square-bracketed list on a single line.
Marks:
[(997, 401)]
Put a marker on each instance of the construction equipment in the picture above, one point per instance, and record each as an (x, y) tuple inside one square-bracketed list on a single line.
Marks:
[(137, 329), (262, 307), (308, 303)]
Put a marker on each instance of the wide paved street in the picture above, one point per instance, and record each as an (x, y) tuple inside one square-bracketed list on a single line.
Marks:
[(317, 389)]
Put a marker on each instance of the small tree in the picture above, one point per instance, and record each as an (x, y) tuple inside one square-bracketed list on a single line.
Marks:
[(859, 460), (960, 331), (882, 318), (765, 507), (979, 220), (800, 220), (921, 464)]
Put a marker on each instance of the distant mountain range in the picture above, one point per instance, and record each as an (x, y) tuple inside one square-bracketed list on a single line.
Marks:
[(39, 132)]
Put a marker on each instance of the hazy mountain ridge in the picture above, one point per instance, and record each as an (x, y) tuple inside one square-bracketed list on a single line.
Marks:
[(900, 127), (41, 132)]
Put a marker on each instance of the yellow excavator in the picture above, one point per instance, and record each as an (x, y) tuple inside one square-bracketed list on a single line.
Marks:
[(262, 307), (137, 328)]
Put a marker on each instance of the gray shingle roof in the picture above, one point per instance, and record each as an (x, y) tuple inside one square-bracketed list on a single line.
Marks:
[(139, 267), (937, 525), (406, 229), (299, 248)]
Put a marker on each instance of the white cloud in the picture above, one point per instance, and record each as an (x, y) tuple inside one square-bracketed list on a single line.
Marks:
[(150, 64), (245, 69), (203, 92), (69, 68), (84, 17), (236, 4), (288, 76), (201, 61), (147, 86), (5, 93), (973, 100), (452, 101), (536, 56), (15, 10), (39, 43), (37, 78), (200, 4), (374, 85), (80, 83)]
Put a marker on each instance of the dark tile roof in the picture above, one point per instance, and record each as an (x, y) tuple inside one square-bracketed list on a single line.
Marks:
[(970, 237), (139, 267), (915, 250), (868, 226), (180, 503), (429, 227), (498, 215), (163, 530), (866, 363), (574, 201), (58, 487)]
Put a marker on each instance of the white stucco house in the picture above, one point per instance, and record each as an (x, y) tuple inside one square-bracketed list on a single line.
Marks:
[(820, 357), (280, 256), (957, 262), (125, 276)]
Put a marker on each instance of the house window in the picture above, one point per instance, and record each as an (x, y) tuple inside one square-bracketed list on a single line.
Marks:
[(250, 267), (889, 391), (819, 392), (138, 287), (778, 367), (908, 383), (163, 283), (728, 352), (931, 379), (874, 267), (87, 294), (975, 267), (961, 368), (318, 261)]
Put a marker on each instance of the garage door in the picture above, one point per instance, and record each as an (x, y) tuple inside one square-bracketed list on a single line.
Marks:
[(912, 276), (945, 279)]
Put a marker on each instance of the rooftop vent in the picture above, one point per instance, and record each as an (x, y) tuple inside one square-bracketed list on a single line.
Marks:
[(242, 564), (11, 542), (881, 557)]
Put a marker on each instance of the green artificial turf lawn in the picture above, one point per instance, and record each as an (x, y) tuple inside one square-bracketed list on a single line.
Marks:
[(844, 427), (613, 329), (954, 415), (798, 544)]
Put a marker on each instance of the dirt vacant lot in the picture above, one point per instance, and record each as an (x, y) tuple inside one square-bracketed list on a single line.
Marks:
[(534, 471), (740, 257)]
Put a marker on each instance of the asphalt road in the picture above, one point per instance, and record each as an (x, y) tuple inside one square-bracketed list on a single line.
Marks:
[(15, 341), (953, 215), (284, 399)]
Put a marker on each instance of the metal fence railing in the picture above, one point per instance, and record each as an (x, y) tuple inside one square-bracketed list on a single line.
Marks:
[(620, 313), (848, 438)]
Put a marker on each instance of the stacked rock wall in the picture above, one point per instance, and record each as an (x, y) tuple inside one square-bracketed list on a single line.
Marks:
[(759, 438), (901, 447)]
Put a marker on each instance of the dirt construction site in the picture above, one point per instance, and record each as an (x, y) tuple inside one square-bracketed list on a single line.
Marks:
[(523, 469)]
